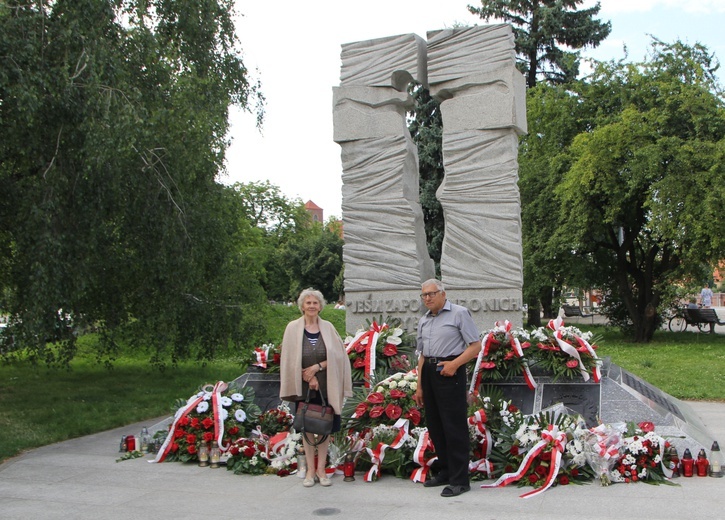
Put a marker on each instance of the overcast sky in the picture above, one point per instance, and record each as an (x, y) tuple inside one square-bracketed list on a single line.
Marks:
[(293, 47)]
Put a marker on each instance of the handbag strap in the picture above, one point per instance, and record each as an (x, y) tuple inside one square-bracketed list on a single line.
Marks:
[(322, 396)]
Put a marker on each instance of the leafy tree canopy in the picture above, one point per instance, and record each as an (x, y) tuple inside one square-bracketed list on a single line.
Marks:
[(544, 30), (644, 196), (113, 123)]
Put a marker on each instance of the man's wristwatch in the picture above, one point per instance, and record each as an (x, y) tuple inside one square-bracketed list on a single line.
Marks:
[(321, 367)]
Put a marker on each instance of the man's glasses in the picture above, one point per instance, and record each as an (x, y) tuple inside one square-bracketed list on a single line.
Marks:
[(425, 295)]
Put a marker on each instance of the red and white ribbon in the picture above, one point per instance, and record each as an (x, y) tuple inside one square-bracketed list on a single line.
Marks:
[(368, 338), (551, 436), (216, 396), (262, 355), (478, 420), (377, 455), (424, 444), (528, 377)]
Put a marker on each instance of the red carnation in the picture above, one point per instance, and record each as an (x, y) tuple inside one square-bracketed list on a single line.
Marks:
[(195, 422), (376, 397), (178, 434), (541, 470), (184, 421), (234, 450), (545, 455), (191, 438), (533, 478), (191, 449), (376, 411), (207, 436), (397, 394), (393, 411), (174, 447), (414, 415), (233, 430), (361, 409), (390, 350), (359, 363), (207, 423), (563, 480)]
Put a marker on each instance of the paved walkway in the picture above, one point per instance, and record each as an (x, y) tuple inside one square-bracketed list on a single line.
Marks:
[(79, 479)]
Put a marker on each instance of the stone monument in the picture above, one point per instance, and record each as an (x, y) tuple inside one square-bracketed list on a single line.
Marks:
[(472, 70)]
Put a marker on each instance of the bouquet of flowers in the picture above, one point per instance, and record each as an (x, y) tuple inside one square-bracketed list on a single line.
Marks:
[(389, 400), (215, 414), (540, 450), (275, 420), (642, 457), (267, 357), (566, 351), (503, 356), (247, 456), (382, 345), (389, 448), (601, 449)]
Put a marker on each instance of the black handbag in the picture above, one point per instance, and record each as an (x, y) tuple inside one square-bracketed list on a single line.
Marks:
[(314, 418)]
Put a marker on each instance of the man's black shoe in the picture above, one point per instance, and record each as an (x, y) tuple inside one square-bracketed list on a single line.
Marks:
[(438, 480), (454, 491)]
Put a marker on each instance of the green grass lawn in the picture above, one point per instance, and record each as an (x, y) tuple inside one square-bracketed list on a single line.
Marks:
[(40, 406)]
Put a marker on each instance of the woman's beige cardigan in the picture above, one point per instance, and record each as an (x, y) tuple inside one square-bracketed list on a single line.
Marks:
[(339, 379)]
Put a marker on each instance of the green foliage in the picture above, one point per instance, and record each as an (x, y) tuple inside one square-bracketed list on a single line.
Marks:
[(643, 197), (543, 30), (426, 129), (113, 122)]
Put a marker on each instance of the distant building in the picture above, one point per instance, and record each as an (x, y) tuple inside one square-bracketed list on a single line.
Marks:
[(315, 211)]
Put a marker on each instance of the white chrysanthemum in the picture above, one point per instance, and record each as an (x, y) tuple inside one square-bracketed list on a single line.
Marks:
[(413, 386), (224, 413), (226, 401), (237, 397), (202, 407), (402, 383), (240, 415)]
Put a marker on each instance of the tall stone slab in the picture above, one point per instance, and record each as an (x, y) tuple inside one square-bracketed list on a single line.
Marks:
[(385, 252), (472, 71)]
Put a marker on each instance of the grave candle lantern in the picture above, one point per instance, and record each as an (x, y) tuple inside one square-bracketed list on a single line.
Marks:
[(716, 461), (687, 463), (204, 455), (702, 464), (215, 456), (348, 467)]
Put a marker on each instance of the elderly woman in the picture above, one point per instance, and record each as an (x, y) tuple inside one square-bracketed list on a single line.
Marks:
[(313, 356)]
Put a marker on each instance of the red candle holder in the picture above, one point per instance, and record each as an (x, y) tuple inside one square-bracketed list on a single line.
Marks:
[(702, 464), (348, 468), (688, 464)]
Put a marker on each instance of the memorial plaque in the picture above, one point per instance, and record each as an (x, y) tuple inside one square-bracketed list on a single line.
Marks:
[(519, 394), (266, 388), (583, 398)]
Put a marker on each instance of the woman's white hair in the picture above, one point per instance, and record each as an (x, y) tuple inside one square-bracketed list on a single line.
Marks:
[(310, 292)]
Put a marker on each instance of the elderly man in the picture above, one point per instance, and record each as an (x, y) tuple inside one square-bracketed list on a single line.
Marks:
[(447, 340)]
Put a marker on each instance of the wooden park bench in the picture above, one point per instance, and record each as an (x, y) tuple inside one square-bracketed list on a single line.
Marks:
[(571, 311), (702, 316)]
